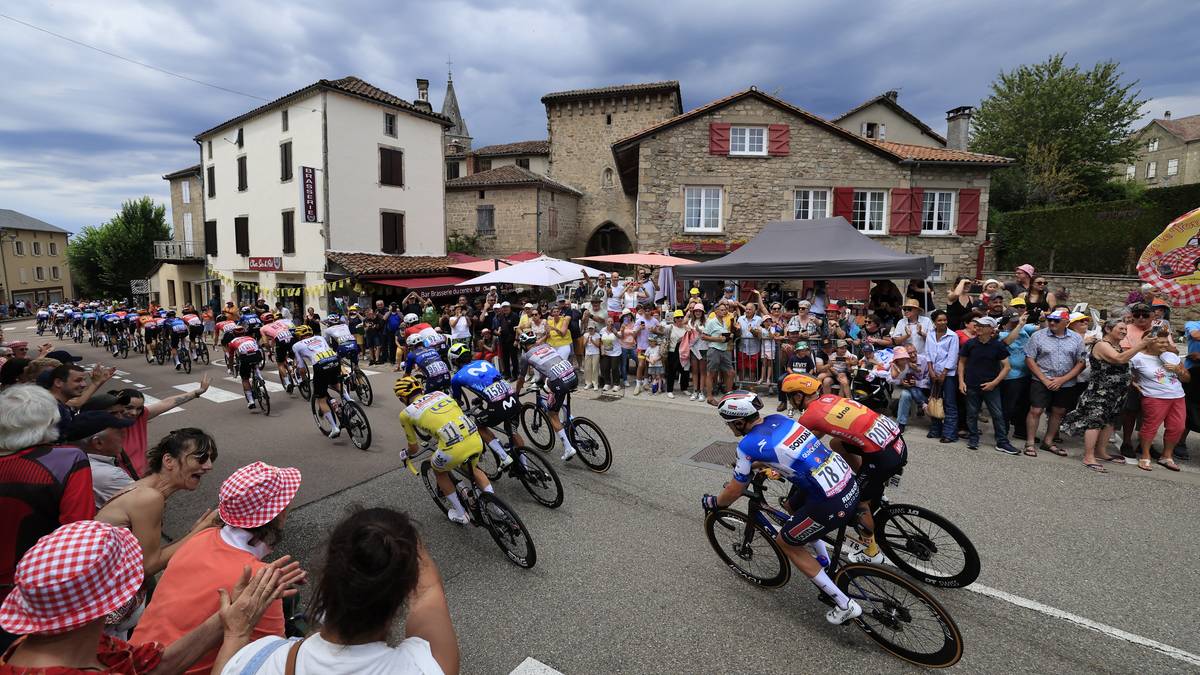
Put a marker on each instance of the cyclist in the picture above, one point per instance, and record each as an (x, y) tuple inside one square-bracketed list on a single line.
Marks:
[(150, 329), (76, 315), (337, 333), (497, 402), (245, 348), (558, 377), (249, 319), (43, 318), (823, 497), (60, 317), (89, 319), (112, 330), (436, 415), (195, 332), (870, 442), (433, 369), (284, 338), (312, 350), (176, 330)]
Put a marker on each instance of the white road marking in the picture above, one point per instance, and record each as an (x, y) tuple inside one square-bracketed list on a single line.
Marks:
[(370, 372), (531, 666), (272, 386), (150, 400), (214, 394), (125, 380), (140, 386), (1168, 650)]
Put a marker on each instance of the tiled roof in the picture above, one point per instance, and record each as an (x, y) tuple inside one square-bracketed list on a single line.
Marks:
[(15, 220), (921, 153), (190, 171), (508, 176), (369, 264), (1187, 129), (518, 148), (604, 92), (349, 85), (891, 103)]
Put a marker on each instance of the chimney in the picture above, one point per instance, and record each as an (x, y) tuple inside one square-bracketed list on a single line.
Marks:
[(422, 89), (892, 94), (958, 127), (1167, 115)]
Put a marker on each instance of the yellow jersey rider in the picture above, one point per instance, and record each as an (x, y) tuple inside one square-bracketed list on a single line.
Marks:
[(437, 415)]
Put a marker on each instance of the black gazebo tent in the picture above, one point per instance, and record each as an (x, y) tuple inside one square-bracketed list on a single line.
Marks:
[(828, 248)]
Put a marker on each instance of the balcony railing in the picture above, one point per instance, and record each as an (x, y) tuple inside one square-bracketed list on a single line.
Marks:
[(178, 250)]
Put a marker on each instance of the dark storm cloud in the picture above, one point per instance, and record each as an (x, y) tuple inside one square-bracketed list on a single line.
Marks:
[(80, 132)]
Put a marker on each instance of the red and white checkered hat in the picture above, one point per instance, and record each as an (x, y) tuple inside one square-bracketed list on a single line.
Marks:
[(256, 493), (73, 576)]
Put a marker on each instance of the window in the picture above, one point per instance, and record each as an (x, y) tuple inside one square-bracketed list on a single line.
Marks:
[(523, 162), (747, 141), (18, 248), (702, 209), (53, 248), (937, 212), (39, 273), (54, 273), (1172, 167), (607, 179), (608, 119), (241, 138), (938, 273), (24, 278), (485, 220), (874, 130), (37, 247), (210, 148), (869, 208), (393, 233), (289, 232), (391, 167), (241, 235), (389, 124), (283, 120), (212, 182), (210, 237), (1130, 172), (1151, 169), (812, 204), (285, 161), (452, 169), (481, 194), (484, 164), (552, 222), (242, 184), (1152, 146), (185, 189)]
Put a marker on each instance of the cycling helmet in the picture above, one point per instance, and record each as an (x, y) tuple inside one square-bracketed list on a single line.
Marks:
[(170, 314), (353, 308), (527, 338), (459, 353), (302, 331), (414, 340), (739, 405), (239, 329), (267, 317), (408, 386), (411, 319), (802, 384)]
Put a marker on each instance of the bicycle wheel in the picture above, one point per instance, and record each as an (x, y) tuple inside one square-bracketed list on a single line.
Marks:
[(355, 421), (537, 427), (926, 546), (124, 349), (747, 548), (540, 479), (900, 617), (362, 388), (319, 417), (185, 359), (507, 530), (262, 396), (591, 444), (160, 353), (428, 476), (488, 464), (305, 388), (202, 353)]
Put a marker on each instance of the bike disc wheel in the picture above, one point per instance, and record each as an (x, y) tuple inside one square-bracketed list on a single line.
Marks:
[(356, 424), (926, 546), (591, 444), (900, 617), (537, 427), (507, 530), (362, 388), (747, 549), (540, 479), (428, 476)]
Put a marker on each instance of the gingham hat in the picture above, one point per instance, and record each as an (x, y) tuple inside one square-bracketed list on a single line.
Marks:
[(256, 493), (73, 576)]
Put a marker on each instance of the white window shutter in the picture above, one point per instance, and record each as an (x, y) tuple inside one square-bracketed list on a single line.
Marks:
[(863, 130), (882, 131)]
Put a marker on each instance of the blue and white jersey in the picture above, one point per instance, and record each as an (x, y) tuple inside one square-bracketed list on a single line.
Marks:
[(89, 315), (482, 379), (111, 318), (177, 325), (250, 321), (437, 373), (43, 314), (799, 456)]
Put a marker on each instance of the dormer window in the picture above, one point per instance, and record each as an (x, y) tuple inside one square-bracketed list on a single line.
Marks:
[(1152, 146), (876, 130)]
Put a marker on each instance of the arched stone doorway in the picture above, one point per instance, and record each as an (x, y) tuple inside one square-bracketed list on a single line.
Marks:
[(608, 239)]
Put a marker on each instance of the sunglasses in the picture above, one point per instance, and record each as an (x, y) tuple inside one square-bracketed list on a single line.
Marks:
[(1039, 283), (1141, 315), (203, 456)]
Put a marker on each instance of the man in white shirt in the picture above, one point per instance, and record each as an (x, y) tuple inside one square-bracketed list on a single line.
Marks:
[(911, 330)]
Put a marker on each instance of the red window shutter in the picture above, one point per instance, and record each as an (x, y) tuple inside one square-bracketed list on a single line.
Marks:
[(902, 215), (718, 138), (843, 203), (968, 211), (779, 140), (918, 209)]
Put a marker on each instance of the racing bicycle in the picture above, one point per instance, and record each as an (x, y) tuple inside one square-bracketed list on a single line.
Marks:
[(122, 346), (77, 333), (185, 359), (897, 615), (258, 389), (534, 472), (589, 441), (356, 379), (351, 417), (202, 353)]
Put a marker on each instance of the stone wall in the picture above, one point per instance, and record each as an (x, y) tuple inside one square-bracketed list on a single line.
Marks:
[(515, 219), (581, 135), (560, 240), (761, 189)]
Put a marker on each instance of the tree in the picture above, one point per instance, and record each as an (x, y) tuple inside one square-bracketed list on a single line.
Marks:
[(1066, 127), (104, 259)]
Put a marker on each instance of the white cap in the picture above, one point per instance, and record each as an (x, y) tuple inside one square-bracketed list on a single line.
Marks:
[(505, 304), (529, 305)]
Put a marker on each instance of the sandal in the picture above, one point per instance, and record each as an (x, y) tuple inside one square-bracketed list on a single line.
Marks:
[(1054, 449), (1098, 468), (1144, 465), (1115, 459), (1030, 451), (1169, 464)]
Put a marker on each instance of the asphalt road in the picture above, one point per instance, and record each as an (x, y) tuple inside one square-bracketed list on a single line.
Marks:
[(627, 583)]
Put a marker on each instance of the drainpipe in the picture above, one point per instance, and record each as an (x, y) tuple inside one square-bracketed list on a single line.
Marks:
[(325, 173)]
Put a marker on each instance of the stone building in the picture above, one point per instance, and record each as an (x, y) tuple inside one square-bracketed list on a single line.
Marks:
[(1168, 152), (510, 209), (529, 155), (702, 182), (882, 118)]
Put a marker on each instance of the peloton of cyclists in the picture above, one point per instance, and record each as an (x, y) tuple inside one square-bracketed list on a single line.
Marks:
[(558, 380), (497, 403), (313, 350)]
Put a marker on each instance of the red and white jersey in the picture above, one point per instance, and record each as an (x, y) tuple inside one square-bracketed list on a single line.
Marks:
[(243, 345), (225, 327), (192, 320)]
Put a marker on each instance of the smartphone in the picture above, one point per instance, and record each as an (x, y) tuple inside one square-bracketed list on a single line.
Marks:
[(1156, 332), (976, 288)]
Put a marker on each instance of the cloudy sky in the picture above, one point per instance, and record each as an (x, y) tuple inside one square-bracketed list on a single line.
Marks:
[(81, 131)]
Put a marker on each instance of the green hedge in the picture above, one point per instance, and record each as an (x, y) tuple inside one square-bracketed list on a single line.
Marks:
[(1098, 238)]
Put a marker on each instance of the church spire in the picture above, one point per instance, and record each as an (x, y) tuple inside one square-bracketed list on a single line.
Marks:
[(458, 133)]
